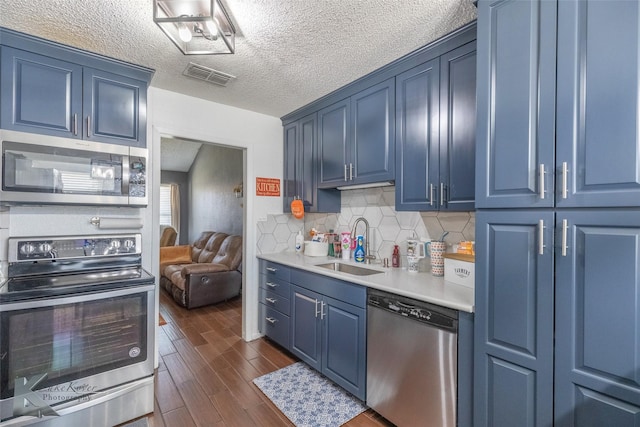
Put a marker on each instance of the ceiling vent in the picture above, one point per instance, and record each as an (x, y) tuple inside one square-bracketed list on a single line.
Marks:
[(207, 74)]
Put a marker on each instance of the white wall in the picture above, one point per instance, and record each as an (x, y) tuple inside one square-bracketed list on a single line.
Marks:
[(173, 114)]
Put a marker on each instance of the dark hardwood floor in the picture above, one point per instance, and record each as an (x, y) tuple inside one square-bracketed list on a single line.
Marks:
[(206, 370)]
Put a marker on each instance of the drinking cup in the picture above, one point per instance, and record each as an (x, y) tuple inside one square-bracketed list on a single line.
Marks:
[(436, 250)]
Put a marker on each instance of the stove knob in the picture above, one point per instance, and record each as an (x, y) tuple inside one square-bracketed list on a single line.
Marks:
[(129, 243), (45, 247), (27, 248), (115, 244)]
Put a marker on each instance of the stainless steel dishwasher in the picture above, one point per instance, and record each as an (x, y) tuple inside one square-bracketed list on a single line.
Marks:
[(412, 360)]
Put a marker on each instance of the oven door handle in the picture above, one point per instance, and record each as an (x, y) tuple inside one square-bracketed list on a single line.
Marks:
[(74, 298)]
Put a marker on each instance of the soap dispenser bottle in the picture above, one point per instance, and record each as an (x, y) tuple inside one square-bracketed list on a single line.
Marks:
[(299, 241), (395, 257), (359, 253)]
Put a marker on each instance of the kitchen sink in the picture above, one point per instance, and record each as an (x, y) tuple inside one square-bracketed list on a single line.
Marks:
[(349, 269)]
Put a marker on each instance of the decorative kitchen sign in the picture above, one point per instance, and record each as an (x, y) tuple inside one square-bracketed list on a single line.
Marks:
[(267, 187)]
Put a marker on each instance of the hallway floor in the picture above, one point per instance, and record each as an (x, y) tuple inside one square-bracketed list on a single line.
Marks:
[(206, 370)]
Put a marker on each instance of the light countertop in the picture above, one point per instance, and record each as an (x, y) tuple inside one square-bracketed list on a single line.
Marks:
[(420, 286)]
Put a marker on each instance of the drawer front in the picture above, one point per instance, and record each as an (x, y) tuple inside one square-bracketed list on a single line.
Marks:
[(273, 300), (274, 284), (274, 270), (276, 326)]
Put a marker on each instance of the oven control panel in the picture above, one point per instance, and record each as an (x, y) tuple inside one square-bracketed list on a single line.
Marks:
[(73, 247)]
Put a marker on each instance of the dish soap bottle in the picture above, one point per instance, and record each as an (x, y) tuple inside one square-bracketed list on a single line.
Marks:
[(395, 257), (299, 241), (359, 253)]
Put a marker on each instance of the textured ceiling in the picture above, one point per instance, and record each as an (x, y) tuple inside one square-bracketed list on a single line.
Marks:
[(288, 52), (178, 154)]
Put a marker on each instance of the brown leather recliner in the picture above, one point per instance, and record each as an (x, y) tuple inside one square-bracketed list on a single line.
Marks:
[(211, 275)]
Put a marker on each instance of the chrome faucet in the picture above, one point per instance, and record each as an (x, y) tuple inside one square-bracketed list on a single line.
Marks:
[(368, 256)]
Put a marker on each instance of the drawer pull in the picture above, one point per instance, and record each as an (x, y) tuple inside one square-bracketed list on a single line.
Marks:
[(271, 320), (271, 269), (271, 285), (271, 300), (541, 184)]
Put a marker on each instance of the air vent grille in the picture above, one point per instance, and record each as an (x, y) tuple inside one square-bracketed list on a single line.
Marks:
[(209, 75)]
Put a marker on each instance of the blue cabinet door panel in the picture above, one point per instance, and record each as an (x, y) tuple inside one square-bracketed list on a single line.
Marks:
[(458, 128), (595, 410), (598, 103), (514, 310), (372, 150), (333, 128), (597, 316), (40, 94), (290, 189), (305, 332), (507, 408), (343, 342), (516, 103), (112, 108), (306, 159), (418, 137)]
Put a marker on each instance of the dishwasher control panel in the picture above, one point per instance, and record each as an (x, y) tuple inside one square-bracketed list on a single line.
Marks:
[(440, 317)]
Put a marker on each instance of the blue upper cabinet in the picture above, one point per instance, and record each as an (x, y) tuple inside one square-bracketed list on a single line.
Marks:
[(598, 127), (372, 148), (356, 138), (574, 146), (56, 90), (418, 137), (300, 154), (40, 94), (516, 103), (114, 108), (435, 133), (333, 134)]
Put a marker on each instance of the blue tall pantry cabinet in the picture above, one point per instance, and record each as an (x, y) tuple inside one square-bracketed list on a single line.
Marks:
[(557, 339)]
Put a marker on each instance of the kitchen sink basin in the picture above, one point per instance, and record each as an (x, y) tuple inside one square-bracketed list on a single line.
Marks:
[(349, 269)]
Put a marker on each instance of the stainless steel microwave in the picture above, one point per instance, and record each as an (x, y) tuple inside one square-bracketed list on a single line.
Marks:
[(39, 169)]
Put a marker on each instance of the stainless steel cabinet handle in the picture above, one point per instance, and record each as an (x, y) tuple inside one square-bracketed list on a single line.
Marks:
[(271, 320), (431, 194), (541, 182), (271, 285), (271, 300), (322, 304), (88, 126), (75, 124), (541, 237), (345, 172), (317, 312), (271, 269), (565, 226), (442, 194), (565, 173), (350, 171)]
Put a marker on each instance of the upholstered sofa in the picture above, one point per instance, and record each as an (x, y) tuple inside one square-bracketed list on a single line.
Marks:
[(205, 272)]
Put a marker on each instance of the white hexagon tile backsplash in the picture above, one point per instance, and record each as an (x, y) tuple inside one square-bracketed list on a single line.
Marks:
[(387, 226)]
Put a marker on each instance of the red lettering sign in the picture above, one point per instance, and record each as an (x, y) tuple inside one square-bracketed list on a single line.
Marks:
[(267, 187)]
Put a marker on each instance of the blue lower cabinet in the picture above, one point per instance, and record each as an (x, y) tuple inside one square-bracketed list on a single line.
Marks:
[(274, 307), (513, 346), (557, 323), (329, 332), (597, 346), (306, 326)]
